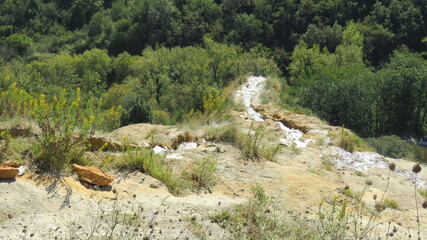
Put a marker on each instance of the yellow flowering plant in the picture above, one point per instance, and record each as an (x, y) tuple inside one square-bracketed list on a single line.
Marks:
[(65, 128)]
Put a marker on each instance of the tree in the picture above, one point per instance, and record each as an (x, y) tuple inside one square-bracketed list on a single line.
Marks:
[(19, 42)]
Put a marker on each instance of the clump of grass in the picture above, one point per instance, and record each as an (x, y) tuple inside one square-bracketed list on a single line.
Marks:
[(202, 175), (251, 144), (155, 165), (390, 203), (257, 219), (349, 141)]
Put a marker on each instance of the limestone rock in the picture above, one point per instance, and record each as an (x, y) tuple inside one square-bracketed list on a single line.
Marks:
[(97, 143), (8, 172), (93, 175)]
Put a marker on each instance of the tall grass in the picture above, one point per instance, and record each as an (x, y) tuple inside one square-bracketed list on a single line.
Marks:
[(155, 165)]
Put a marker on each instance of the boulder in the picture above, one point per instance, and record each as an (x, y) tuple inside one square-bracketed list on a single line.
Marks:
[(8, 172), (93, 175)]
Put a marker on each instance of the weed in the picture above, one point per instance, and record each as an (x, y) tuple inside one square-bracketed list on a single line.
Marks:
[(359, 173), (257, 219), (202, 174), (390, 203), (115, 220)]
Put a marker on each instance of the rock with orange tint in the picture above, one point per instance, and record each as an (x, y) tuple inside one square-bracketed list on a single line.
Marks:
[(10, 164), (93, 175), (8, 172)]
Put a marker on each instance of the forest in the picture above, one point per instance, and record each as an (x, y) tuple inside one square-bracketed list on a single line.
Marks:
[(358, 63)]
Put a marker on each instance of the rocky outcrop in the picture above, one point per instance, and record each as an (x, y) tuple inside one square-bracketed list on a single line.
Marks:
[(8, 172), (93, 175), (101, 143)]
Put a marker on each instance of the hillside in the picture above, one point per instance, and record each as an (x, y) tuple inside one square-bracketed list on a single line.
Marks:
[(308, 168)]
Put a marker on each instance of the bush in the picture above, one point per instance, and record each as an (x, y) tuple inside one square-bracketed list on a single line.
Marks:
[(64, 131), (391, 146), (19, 42), (420, 154), (160, 117)]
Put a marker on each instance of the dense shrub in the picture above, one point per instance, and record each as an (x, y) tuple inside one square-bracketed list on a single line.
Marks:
[(391, 146)]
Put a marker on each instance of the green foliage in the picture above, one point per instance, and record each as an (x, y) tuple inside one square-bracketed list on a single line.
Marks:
[(213, 103), (391, 146), (187, 47), (19, 42), (155, 165), (257, 219)]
